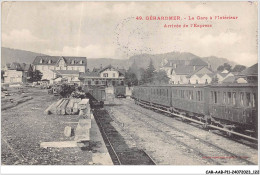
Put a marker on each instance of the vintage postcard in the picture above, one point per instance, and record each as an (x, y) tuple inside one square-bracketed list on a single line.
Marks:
[(130, 83)]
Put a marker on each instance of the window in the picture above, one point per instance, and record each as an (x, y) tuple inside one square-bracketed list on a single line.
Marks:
[(242, 98), (114, 75), (234, 98), (198, 96), (253, 100), (105, 74), (215, 97), (229, 98), (248, 101), (49, 62), (89, 82), (224, 98)]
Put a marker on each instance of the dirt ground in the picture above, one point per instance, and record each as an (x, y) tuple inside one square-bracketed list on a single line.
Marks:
[(25, 126)]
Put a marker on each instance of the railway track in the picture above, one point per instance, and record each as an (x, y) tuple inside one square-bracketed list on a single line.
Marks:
[(238, 137), (119, 152), (203, 148)]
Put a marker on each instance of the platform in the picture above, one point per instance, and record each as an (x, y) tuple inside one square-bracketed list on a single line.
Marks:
[(101, 156)]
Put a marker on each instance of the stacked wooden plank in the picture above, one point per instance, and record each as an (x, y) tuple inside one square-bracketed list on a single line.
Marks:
[(64, 106), (84, 107)]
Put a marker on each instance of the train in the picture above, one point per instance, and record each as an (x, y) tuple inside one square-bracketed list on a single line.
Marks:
[(96, 94), (120, 91), (231, 106)]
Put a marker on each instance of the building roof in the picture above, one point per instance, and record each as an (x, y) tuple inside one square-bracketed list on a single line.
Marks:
[(197, 70), (63, 72), (186, 70), (229, 79), (18, 66), (89, 74), (111, 67), (53, 60), (251, 71)]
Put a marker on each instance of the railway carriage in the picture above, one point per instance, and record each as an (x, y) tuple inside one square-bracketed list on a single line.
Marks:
[(160, 96), (234, 104), (190, 99), (230, 106)]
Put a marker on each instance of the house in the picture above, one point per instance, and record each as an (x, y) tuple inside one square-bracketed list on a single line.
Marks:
[(70, 76), (180, 71), (202, 75), (250, 74), (108, 76), (47, 64), (17, 73)]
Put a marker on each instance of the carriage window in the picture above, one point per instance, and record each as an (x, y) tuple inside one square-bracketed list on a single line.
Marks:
[(229, 98), (199, 96), (242, 99), (215, 97), (253, 99), (234, 98), (248, 101), (224, 97)]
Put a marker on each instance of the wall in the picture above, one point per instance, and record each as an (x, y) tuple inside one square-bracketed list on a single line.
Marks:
[(110, 74), (13, 76)]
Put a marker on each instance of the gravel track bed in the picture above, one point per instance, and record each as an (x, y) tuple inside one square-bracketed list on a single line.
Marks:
[(196, 145)]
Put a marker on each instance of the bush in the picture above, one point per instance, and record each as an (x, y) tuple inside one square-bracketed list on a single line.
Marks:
[(66, 90)]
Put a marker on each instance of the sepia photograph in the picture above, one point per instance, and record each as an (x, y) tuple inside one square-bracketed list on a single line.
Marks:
[(130, 83)]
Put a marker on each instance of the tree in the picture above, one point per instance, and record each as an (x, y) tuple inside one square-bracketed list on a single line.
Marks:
[(150, 72), (214, 80), (2, 75), (131, 78), (35, 76), (66, 90), (143, 76), (238, 68), (161, 77), (225, 66)]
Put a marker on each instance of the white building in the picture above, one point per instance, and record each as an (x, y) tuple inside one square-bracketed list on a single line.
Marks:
[(46, 65), (109, 76)]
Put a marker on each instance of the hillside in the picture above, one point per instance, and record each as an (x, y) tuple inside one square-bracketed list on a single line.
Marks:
[(15, 55), (142, 61), (97, 62)]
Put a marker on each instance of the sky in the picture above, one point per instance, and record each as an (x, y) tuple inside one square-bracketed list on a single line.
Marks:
[(110, 29)]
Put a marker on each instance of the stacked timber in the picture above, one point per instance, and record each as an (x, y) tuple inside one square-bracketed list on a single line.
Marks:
[(64, 106), (69, 107)]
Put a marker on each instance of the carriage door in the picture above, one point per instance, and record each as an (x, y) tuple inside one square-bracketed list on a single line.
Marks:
[(205, 99)]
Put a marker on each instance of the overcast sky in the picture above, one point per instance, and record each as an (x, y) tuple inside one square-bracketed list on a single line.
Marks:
[(110, 29)]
